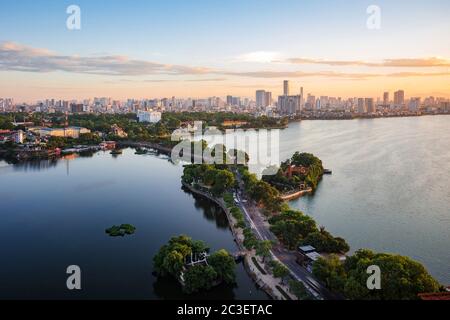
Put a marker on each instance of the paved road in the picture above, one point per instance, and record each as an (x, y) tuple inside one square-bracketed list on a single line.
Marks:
[(255, 219)]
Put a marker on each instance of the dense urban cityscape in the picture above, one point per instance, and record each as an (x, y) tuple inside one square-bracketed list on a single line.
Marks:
[(292, 103)]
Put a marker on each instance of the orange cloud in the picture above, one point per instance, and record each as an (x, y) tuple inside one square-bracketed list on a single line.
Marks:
[(405, 62)]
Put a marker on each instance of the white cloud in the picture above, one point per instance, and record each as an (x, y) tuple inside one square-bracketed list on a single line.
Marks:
[(259, 57), (17, 57)]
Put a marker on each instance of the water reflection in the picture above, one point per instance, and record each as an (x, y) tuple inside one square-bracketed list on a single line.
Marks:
[(57, 211)]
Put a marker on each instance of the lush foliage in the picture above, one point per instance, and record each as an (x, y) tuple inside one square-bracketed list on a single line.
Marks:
[(323, 241), (401, 277), (299, 290), (293, 228), (171, 257), (171, 260), (279, 270), (199, 277), (6, 122), (263, 248), (261, 192), (250, 240), (223, 263), (239, 216), (120, 231), (311, 179), (170, 121), (209, 176)]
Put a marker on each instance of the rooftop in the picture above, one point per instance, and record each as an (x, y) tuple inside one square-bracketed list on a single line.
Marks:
[(314, 256), (307, 248)]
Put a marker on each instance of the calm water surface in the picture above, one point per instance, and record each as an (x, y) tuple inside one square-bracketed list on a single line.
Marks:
[(54, 215), (390, 188), (390, 191)]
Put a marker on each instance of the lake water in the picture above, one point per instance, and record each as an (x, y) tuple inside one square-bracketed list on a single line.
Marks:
[(390, 191), (390, 188), (53, 214)]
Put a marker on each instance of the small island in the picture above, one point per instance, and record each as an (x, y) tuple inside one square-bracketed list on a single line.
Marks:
[(190, 262), (121, 231), (297, 176)]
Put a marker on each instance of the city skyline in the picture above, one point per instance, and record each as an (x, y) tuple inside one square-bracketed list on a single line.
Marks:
[(216, 49)]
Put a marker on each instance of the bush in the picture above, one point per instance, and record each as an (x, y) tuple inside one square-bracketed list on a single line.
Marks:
[(250, 239), (299, 290)]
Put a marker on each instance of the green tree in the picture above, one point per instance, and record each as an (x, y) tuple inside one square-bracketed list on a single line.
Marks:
[(224, 264), (263, 249), (323, 241), (250, 240), (223, 181), (279, 270), (331, 272), (401, 277), (291, 227), (170, 257), (199, 277), (299, 290)]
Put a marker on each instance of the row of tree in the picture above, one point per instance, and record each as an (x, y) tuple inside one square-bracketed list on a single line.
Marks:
[(261, 192)]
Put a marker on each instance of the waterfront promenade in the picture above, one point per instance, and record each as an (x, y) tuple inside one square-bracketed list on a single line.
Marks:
[(259, 274)]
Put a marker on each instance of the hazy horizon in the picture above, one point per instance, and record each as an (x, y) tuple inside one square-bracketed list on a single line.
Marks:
[(213, 48)]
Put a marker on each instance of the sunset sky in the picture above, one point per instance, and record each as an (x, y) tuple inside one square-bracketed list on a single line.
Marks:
[(145, 49)]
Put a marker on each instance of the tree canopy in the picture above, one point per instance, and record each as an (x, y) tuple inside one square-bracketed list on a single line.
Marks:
[(172, 259), (293, 228), (401, 277)]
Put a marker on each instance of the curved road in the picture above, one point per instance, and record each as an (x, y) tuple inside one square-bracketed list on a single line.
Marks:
[(257, 223)]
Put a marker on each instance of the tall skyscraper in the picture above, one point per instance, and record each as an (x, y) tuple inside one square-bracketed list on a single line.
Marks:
[(261, 98), (286, 87), (289, 105), (268, 99), (361, 106), (414, 104), (302, 99), (229, 100), (370, 106), (399, 98), (386, 98)]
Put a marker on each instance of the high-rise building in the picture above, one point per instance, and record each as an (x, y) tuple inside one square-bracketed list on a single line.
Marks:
[(260, 98), (236, 101), (399, 98), (286, 88), (361, 106), (263, 98), (268, 99), (318, 104), (302, 99), (76, 108), (370, 106), (414, 104), (289, 105), (229, 100), (386, 99), (310, 101)]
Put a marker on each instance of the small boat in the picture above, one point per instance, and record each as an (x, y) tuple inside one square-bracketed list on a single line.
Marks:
[(141, 151), (116, 152), (327, 171)]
